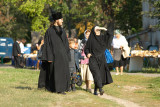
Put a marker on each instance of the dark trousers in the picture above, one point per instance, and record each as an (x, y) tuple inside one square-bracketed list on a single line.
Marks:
[(17, 62), (43, 76), (73, 75), (22, 61)]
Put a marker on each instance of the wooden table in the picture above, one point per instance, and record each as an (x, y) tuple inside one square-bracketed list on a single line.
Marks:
[(136, 62)]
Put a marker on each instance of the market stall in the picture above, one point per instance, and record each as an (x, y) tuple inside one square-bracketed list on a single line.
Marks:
[(137, 57), (30, 59)]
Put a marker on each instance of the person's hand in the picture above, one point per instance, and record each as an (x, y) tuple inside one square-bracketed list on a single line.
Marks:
[(50, 61), (100, 28), (19, 54), (103, 28), (121, 47), (89, 55), (42, 42)]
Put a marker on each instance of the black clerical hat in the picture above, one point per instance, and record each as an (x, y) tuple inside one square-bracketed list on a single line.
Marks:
[(56, 15)]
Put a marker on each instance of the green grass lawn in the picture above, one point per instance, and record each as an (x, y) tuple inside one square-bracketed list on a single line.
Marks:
[(139, 89), (18, 87)]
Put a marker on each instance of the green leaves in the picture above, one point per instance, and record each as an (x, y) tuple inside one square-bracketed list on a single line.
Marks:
[(35, 10), (155, 11)]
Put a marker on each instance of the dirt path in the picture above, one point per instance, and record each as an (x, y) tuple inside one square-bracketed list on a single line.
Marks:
[(123, 102), (144, 74), (6, 66)]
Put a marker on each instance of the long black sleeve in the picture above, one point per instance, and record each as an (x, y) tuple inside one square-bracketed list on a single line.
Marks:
[(108, 37), (48, 48)]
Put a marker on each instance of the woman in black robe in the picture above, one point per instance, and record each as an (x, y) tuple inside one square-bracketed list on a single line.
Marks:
[(95, 51)]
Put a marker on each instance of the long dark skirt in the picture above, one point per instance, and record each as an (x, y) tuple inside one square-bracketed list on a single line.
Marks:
[(43, 80), (59, 80), (121, 62), (100, 72)]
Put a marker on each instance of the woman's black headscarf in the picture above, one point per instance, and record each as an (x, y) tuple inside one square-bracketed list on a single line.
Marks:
[(98, 44)]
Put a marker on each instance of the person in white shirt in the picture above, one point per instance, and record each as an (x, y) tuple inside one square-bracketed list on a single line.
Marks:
[(118, 43), (23, 41)]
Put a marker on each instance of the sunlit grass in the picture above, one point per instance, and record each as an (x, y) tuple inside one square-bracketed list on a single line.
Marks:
[(139, 89), (18, 87)]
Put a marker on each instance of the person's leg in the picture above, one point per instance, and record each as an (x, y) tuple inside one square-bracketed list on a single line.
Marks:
[(15, 61), (89, 84), (73, 87), (74, 75), (117, 70), (84, 75), (86, 82), (122, 64), (95, 89), (18, 62), (116, 65), (89, 79), (121, 68), (101, 91), (38, 64)]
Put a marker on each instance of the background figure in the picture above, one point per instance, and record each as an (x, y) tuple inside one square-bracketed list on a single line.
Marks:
[(43, 81), (16, 52), (85, 71), (95, 51), (39, 53), (118, 43), (22, 61), (58, 55)]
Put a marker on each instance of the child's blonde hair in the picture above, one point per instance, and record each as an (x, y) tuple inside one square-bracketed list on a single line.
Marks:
[(71, 41)]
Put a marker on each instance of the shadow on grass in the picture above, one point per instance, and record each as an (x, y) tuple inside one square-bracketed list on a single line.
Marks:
[(23, 88)]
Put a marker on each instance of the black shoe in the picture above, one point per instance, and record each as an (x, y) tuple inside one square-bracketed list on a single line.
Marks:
[(101, 92), (95, 93), (63, 93)]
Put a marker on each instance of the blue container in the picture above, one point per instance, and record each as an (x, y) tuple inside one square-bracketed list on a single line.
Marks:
[(27, 50), (6, 45)]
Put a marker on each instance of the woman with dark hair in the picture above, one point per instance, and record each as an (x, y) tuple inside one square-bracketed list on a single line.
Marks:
[(95, 51), (39, 45)]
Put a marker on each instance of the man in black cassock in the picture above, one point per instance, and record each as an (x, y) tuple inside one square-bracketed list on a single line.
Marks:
[(58, 56), (16, 52)]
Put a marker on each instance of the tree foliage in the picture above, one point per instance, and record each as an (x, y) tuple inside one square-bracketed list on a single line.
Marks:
[(129, 18), (12, 22), (33, 15), (155, 12)]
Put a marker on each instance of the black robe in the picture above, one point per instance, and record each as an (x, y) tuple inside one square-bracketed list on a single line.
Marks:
[(96, 45), (57, 51), (15, 51)]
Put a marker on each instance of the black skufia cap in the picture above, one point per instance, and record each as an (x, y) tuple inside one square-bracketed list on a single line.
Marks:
[(56, 15)]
